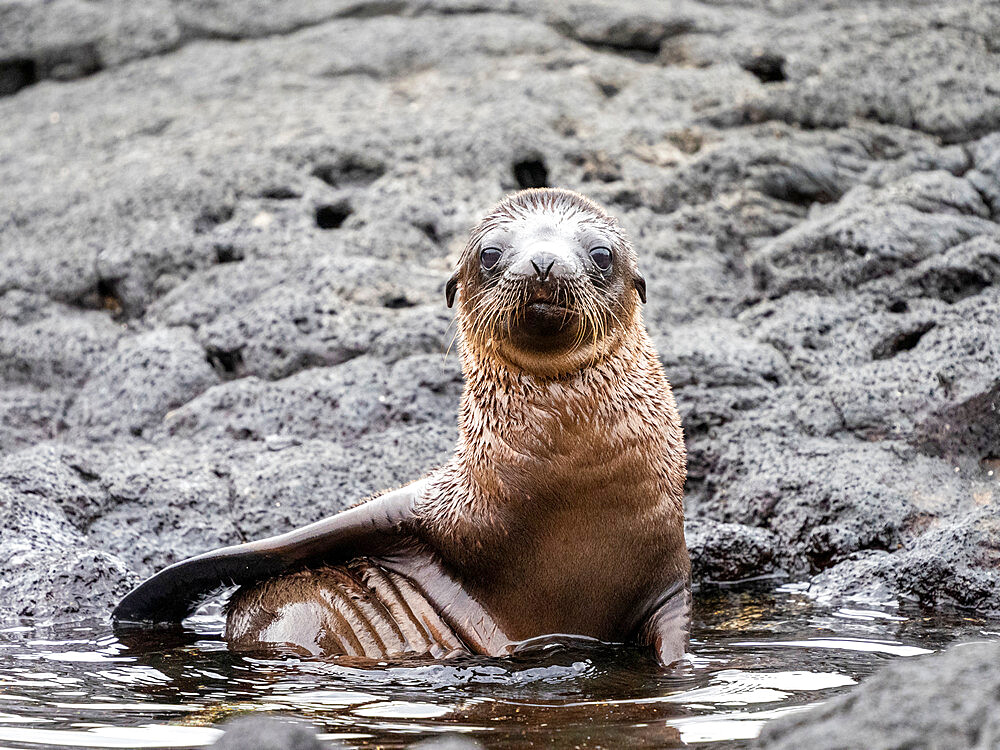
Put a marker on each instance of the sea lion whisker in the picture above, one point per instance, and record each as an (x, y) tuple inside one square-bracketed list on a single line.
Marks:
[(451, 343)]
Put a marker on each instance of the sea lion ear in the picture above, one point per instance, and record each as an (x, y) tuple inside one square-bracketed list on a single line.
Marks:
[(640, 286), (450, 288)]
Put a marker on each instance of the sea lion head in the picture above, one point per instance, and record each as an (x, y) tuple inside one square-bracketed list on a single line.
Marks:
[(548, 283)]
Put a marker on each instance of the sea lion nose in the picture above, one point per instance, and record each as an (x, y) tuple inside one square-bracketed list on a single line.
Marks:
[(543, 262), (542, 266)]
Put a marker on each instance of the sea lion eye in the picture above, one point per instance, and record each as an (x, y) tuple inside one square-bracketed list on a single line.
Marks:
[(601, 257), (489, 257)]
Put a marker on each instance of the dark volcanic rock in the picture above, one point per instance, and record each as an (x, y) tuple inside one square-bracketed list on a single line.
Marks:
[(48, 571), (146, 505), (139, 383), (48, 345), (61, 583), (226, 228), (826, 66), (343, 403), (294, 483), (949, 700), (28, 415), (953, 561), (871, 234), (63, 475), (729, 551)]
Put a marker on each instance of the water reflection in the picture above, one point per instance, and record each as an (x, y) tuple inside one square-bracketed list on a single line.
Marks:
[(755, 654)]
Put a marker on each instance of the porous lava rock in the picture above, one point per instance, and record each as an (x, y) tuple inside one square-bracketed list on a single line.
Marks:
[(951, 699), (226, 227)]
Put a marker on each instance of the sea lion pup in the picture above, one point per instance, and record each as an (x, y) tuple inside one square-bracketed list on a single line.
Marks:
[(560, 511)]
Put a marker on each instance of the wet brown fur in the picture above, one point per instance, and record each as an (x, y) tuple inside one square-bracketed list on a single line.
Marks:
[(561, 509), (553, 474)]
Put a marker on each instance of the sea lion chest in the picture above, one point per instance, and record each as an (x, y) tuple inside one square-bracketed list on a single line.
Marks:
[(574, 538)]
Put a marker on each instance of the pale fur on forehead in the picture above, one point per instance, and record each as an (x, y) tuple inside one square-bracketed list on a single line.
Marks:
[(550, 200), (556, 201)]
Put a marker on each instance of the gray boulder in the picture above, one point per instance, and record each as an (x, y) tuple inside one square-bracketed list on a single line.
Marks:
[(951, 699), (139, 383), (48, 570)]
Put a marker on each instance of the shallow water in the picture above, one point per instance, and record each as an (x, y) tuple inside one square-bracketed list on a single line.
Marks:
[(756, 653)]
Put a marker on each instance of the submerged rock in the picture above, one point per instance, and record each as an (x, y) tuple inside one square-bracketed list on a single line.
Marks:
[(270, 733), (450, 741), (266, 732)]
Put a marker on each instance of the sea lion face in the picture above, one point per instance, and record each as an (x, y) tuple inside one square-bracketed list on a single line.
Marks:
[(548, 283)]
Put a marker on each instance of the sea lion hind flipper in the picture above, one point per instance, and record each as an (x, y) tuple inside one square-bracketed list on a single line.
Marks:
[(668, 626), (176, 591)]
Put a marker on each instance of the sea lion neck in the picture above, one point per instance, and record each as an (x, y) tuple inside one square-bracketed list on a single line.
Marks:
[(505, 405), (607, 433)]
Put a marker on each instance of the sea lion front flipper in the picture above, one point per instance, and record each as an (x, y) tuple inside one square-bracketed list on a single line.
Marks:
[(176, 591), (668, 627)]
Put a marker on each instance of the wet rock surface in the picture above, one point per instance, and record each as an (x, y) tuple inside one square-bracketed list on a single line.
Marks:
[(267, 733), (225, 230), (270, 733), (950, 699)]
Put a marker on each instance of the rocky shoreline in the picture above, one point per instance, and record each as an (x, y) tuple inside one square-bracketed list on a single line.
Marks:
[(224, 237)]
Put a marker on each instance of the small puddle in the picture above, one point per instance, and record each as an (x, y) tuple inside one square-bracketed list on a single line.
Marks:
[(756, 653)]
